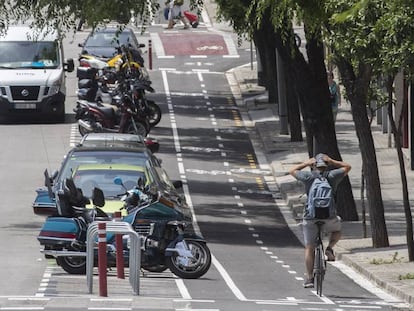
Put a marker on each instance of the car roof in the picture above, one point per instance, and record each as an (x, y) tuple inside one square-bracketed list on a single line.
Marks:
[(26, 33), (112, 29), (112, 140)]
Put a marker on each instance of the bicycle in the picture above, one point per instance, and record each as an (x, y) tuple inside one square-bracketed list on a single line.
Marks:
[(319, 266)]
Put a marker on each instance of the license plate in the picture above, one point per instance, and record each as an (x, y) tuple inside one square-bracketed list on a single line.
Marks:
[(24, 106)]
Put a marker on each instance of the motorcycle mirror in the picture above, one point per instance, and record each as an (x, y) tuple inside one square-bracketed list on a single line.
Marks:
[(140, 183), (48, 183), (118, 180), (177, 184)]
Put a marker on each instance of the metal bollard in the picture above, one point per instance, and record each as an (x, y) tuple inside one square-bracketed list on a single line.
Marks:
[(119, 251), (102, 260), (134, 256), (150, 54)]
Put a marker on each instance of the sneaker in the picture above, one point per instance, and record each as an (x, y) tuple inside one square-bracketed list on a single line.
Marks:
[(186, 27), (330, 254), (308, 283)]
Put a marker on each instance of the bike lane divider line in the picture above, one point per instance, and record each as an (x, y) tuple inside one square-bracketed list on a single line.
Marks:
[(44, 283), (236, 291), (185, 294)]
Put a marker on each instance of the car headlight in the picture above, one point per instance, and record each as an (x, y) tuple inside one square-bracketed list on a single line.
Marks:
[(55, 87)]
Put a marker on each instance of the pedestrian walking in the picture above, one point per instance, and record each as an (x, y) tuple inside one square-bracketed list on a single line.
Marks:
[(335, 94)]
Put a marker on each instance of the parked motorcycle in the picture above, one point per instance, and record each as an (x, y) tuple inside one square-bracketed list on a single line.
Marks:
[(124, 118), (147, 107), (105, 86), (165, 240)]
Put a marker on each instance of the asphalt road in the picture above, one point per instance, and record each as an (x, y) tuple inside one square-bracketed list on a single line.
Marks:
[(257, 260)]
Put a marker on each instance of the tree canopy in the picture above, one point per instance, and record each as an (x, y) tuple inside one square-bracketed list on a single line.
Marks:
[(65, 14)]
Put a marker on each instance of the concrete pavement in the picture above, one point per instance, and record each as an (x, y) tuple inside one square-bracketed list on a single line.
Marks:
[(388, 268)]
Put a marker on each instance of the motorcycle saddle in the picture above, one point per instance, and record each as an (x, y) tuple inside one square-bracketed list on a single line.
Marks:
[(107, 109)]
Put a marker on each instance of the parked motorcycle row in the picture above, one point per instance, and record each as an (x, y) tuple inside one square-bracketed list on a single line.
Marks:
[(112, 95), (114, 117)]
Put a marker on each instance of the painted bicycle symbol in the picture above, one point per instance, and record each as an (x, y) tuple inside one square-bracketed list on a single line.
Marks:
[(210, 47)]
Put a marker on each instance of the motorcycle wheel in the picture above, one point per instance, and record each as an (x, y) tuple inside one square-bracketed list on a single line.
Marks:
[(72, 265), (82, 131), (198, 266), (142, 129), (159, 268), (154, 115)]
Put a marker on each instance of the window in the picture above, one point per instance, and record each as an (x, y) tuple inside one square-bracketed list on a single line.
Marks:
[(29, 54)]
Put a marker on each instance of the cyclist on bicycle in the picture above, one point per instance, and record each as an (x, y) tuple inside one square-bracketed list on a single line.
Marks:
[(319, 165)]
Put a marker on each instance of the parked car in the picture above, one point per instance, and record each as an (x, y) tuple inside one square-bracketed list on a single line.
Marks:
[(118, 153), (103, 43), (119, 139)]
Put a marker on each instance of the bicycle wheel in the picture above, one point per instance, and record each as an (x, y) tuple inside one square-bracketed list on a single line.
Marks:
[(319, 270)]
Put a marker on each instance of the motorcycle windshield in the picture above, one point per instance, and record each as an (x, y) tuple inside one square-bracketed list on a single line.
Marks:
[(159, 211)]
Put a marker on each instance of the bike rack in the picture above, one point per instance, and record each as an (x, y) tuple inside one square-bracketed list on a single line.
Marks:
[(134, 251)]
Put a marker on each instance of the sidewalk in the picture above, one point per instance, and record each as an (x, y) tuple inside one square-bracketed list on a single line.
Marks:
[(353, 250)]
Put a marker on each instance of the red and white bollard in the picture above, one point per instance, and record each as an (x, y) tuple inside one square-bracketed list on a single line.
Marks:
[(119, 250), (102, 260)]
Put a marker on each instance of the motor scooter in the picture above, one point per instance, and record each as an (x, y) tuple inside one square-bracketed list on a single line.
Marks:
[(97, 117), (166, 241)]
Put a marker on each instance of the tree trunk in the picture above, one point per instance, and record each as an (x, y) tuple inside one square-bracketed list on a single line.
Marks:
[(398, 146), (264, 40), (357, 90)]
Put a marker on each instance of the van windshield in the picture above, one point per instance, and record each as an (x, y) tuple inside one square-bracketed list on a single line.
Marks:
[(29, 54)]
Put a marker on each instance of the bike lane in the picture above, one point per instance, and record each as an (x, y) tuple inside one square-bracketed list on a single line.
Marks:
[(193, 43)]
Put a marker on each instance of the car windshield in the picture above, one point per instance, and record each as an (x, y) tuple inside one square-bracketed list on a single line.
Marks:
[(88, 179), (77, 158), (105, 39), (29, 54)]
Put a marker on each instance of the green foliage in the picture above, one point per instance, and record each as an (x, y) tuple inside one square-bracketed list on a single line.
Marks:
[(408, 276), (394, 259), (65, 14), (235, 12), (375, 32)]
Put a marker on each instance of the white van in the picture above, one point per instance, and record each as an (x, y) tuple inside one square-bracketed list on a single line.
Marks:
[(32, 74)]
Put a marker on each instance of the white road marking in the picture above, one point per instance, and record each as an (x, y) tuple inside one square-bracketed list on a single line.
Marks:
[(236, 291), (183, 289), (157, 44), (365, 283)]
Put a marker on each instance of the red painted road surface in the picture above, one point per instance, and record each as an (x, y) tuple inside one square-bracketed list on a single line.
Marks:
[(185, 42)]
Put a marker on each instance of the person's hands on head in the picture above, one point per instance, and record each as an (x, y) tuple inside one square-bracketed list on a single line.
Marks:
[(310, 162), (326, 158)]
